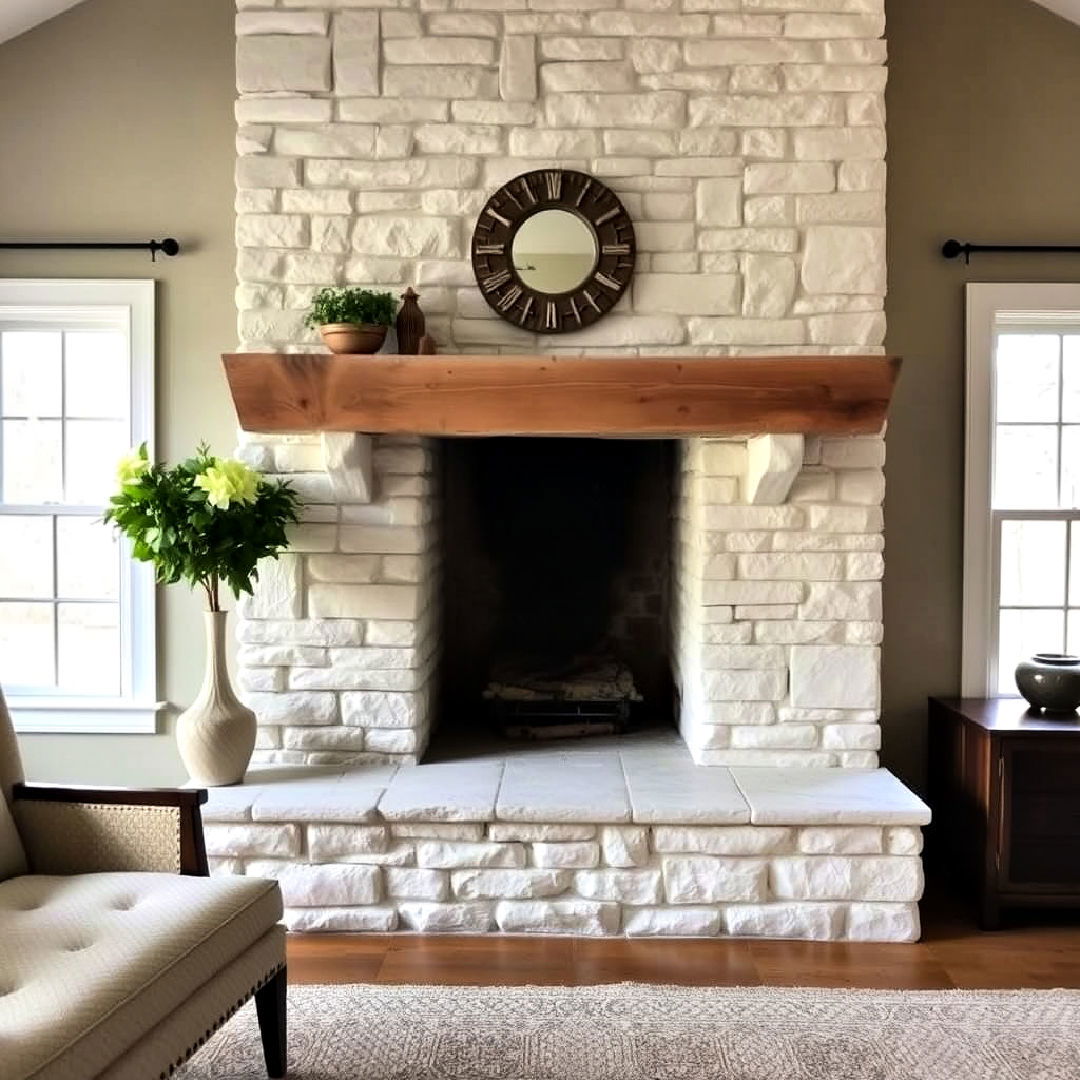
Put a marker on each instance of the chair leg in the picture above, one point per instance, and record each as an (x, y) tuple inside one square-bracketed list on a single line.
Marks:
[(271, 1009)]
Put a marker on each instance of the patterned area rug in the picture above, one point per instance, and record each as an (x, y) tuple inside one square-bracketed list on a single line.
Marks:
[(633, 1032)]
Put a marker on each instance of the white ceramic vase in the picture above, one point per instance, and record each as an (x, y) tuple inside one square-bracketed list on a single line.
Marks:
[(216, 735)]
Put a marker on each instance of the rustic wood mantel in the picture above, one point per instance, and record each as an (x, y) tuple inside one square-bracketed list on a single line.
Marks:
[(644, 396)]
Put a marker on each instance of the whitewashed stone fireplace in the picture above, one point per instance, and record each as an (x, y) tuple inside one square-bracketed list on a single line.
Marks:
[(746, 139), (776, 616)]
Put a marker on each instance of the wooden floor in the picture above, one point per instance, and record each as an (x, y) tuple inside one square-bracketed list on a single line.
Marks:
[(1039, 949)]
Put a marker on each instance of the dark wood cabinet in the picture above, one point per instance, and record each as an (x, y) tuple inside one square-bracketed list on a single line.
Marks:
[(1005, 791)]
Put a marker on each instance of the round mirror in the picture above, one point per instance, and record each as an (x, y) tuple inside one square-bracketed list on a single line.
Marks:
[(554, 251)]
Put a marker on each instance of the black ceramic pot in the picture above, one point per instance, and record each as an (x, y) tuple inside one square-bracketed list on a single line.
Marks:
[(1050, 681)]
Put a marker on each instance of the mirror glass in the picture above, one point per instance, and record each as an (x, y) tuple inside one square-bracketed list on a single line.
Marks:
[(554, 251)]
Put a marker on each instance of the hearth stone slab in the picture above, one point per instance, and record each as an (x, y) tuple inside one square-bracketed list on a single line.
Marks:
[(301, 793), (802, 796), (613, 836), (564, 788), (341, 798), (444, 791), (667, 790), (227, 804)]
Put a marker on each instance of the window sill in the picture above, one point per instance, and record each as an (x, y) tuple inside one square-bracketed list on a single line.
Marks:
[(84, 716)]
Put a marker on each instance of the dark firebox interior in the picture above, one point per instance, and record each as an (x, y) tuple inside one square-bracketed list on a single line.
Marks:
[(556, 554)]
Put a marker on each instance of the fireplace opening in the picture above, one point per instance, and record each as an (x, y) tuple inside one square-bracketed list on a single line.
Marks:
[(555, 586)]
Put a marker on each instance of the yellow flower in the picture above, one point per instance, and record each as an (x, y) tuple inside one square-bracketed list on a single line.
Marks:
[(132, 466), (228, 481)]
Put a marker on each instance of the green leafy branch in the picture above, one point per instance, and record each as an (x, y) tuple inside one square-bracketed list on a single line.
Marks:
[(205, 521)]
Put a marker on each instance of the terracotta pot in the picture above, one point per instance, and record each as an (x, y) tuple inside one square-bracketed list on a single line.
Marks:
[(343, 337), (216, 736)]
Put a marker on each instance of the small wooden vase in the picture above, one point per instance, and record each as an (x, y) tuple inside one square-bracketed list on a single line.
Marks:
[(216, 735), (410, 324)]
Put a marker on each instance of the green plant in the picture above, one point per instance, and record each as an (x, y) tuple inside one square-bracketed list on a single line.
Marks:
[(351, 306), (203, 521)]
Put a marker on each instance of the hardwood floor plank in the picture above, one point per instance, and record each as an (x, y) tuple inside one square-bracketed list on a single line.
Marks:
[(335, 958), (479, 961), (813, 963), (677, 962)]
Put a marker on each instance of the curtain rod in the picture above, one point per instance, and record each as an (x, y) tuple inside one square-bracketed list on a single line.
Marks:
[(953, 249), (169, 246)]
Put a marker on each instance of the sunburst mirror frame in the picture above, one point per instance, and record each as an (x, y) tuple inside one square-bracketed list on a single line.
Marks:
[(516, 202)]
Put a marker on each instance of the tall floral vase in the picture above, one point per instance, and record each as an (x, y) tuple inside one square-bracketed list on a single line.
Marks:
[(216, 735)]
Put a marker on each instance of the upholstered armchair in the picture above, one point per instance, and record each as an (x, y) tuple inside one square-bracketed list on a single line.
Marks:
[(119, 956)]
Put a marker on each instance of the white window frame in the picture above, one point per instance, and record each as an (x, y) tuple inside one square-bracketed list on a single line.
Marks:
[(41, 302), (987, 305)]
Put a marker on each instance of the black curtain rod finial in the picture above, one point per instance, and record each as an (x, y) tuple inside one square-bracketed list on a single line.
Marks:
[(168, 246), (953, 249)]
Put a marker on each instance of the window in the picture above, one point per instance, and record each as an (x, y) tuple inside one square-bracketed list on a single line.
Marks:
[(76, 613), (1022, 502)]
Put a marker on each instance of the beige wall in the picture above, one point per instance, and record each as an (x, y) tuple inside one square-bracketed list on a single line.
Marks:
[(115, 119), (116, 122), (982, 146)]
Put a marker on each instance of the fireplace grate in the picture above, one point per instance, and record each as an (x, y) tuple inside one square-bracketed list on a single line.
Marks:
[(555, 719)]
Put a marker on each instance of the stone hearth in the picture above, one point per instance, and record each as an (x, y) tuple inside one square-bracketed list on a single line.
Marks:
[(609, 837)]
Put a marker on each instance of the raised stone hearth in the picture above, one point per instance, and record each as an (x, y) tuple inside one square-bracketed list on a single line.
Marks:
[(610, 837)]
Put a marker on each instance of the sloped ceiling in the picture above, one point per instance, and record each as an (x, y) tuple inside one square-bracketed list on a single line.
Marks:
[(18, 16), (1069, 9)]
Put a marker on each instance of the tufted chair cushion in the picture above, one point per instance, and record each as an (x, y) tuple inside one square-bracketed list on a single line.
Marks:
[(91, 963), (12, 855)]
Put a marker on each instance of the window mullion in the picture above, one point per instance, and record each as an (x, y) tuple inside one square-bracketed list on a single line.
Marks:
[(55, 599), (46, 509), (1, 417), (1060, 414), (1068, 579), (994, 629), (63, 417)]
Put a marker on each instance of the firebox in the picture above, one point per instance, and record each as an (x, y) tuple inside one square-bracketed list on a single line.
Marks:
[(556, 558)]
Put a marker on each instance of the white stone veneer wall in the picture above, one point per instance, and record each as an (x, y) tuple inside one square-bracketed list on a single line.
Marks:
[(777, 611), (338, 646), (746, 139)]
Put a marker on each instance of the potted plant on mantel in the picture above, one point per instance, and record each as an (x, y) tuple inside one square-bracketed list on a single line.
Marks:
[(351, 320), (206, 521)]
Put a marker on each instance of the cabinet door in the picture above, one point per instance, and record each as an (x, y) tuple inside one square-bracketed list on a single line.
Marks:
[(1039, 837)]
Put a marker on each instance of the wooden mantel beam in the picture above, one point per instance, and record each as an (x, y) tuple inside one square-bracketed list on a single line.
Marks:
[(644, 396)]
